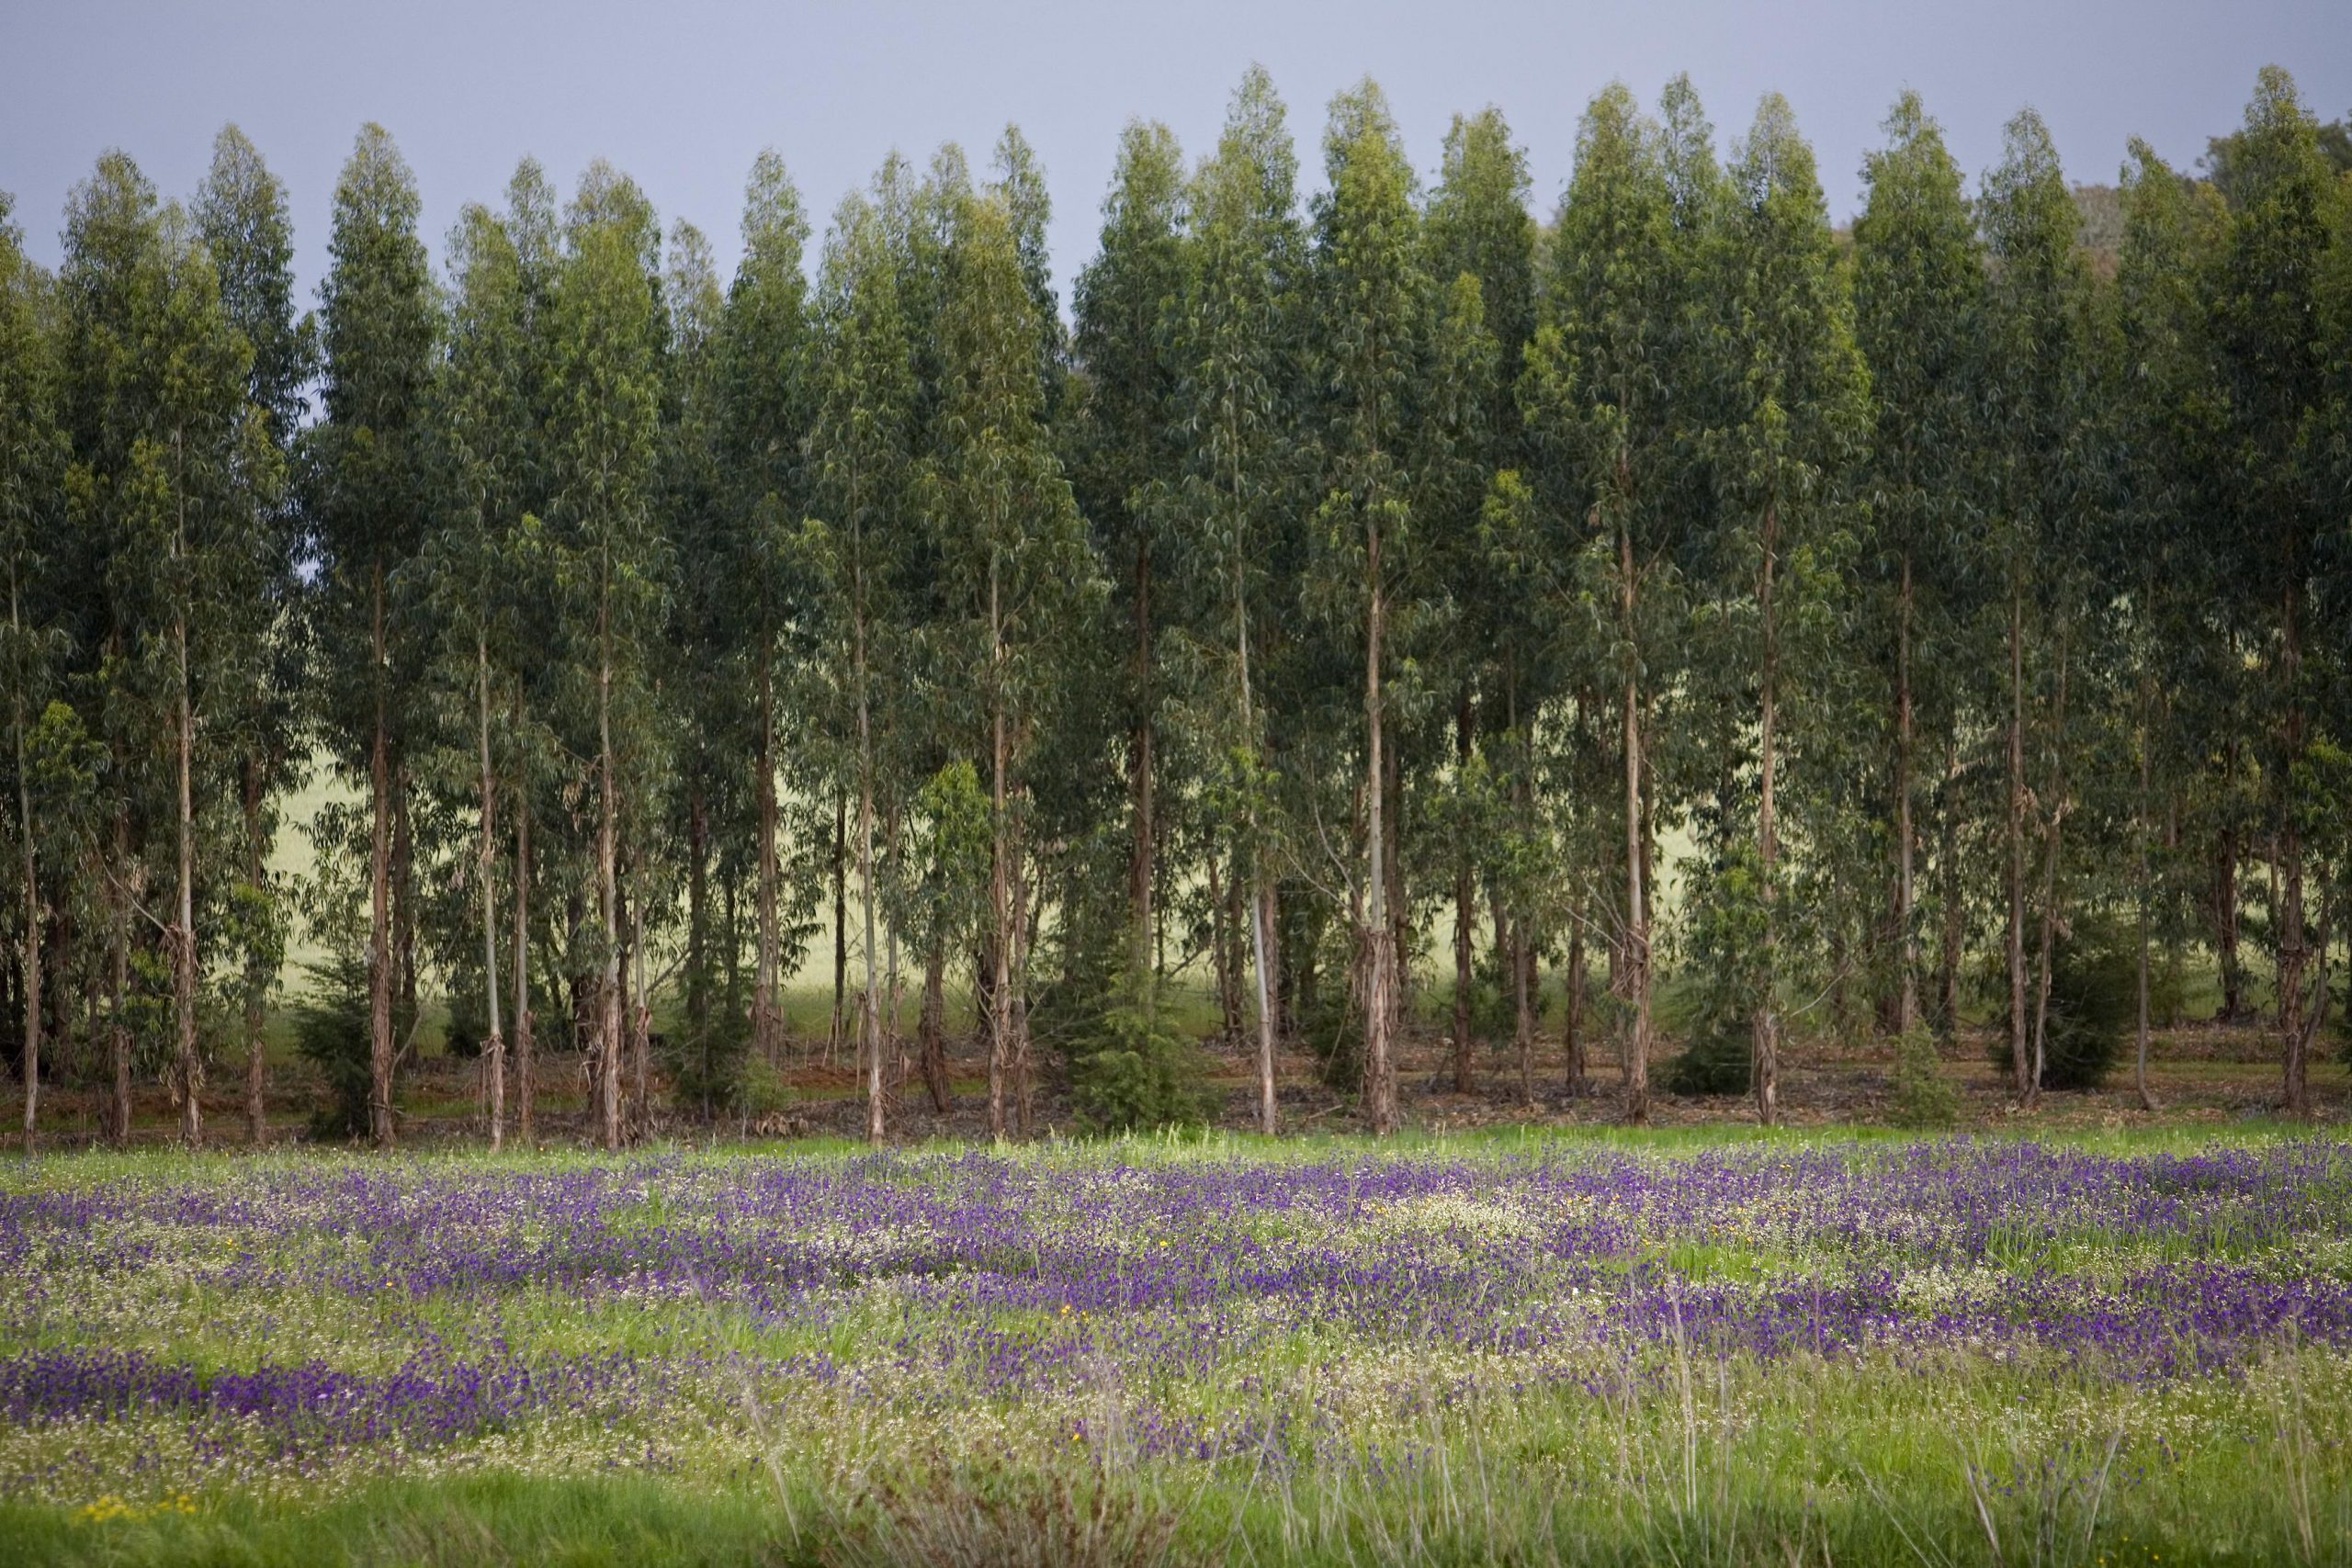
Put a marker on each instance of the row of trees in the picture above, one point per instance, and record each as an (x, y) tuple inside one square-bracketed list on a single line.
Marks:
[(1961, 594)]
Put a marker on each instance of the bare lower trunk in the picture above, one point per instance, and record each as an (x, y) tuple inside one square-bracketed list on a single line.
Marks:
[(608, 1020), (2021, 1069), (1000, 873), (1465, 886), (2292, 952), (494, 1048), (32, 906), (526, 1074), (1907, 995), (257, 978), (1578, 1083), (1378, 941), (932, 1029), (837, 1030), (1766, 1021), (1955, 924), (869, 1016), (640, 1029), (765, 1018), (2140, 843), (2057, 817), (380, 898), (187, 1068), (1262, 921), (117, 1019), (1140, 760), (1636, 944)]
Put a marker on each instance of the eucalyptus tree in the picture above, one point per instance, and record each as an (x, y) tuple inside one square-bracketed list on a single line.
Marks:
[(532, 227), (112, 228), (1477, 227), (1017, 570), (862, 454), (2164, 421), (241, 212), (765, 380), (203, 474), (1371, 334), (2263, 281), (485, 424), (367, 463), (31, 656), (698, 677), (1796, 406), (604, 347), (2031, 410), (1918, 285), (1601, 450), (1128, 453), (1243, 247), (1453, 464)]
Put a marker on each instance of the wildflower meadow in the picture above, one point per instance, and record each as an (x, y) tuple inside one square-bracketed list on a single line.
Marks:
[(1622, 1348)]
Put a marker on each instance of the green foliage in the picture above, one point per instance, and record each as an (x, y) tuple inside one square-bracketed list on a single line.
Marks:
[(1923, 1095), (1129, 1073), (2094, 992), (1724, 938), (331, 1031)]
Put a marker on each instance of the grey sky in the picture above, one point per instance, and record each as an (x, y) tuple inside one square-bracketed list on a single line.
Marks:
[(682, 96)]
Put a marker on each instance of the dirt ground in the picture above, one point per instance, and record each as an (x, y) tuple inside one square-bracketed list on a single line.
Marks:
[(2201, 1074)]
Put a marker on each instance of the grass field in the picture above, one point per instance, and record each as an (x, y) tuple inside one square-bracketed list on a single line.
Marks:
[(1681, 1345)]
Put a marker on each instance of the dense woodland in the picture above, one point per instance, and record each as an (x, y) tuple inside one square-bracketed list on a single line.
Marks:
[(1364, 589)]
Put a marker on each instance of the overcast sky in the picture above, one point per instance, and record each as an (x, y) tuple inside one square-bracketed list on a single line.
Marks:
[(682, 96)]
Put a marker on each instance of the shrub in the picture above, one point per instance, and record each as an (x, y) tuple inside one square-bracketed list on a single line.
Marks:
[(331, 1029), (1923, 1097), (1127, 1073), (2094, 992), (1726, 933)]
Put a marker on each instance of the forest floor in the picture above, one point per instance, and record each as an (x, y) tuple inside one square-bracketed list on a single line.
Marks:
[(1671, 1345), (2201, 1075)]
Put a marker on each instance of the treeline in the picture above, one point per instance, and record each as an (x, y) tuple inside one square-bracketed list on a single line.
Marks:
[(1972, 605)]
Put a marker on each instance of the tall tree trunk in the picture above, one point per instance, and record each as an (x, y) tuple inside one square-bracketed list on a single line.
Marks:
[(930, 1030), (32, 898), (1907, 997), (1578, 1083), (2140, 829), (837, 1030), (1141, 782), (2290, 854), (999, 870), (119, 939), (494, 1047), (764, 1017), (525, 1072), (257, 975), (698, 932), (1767, 1022), (1954, 923), (187, 1068), (1262, 890), (2055, 809), (1379, 941), (608, 1020), (1229, 1002), (869, 1016), (640, 1027), (1465, 886), (2021, 1069), (1637, 930), (380, 891), (2224, 901)]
